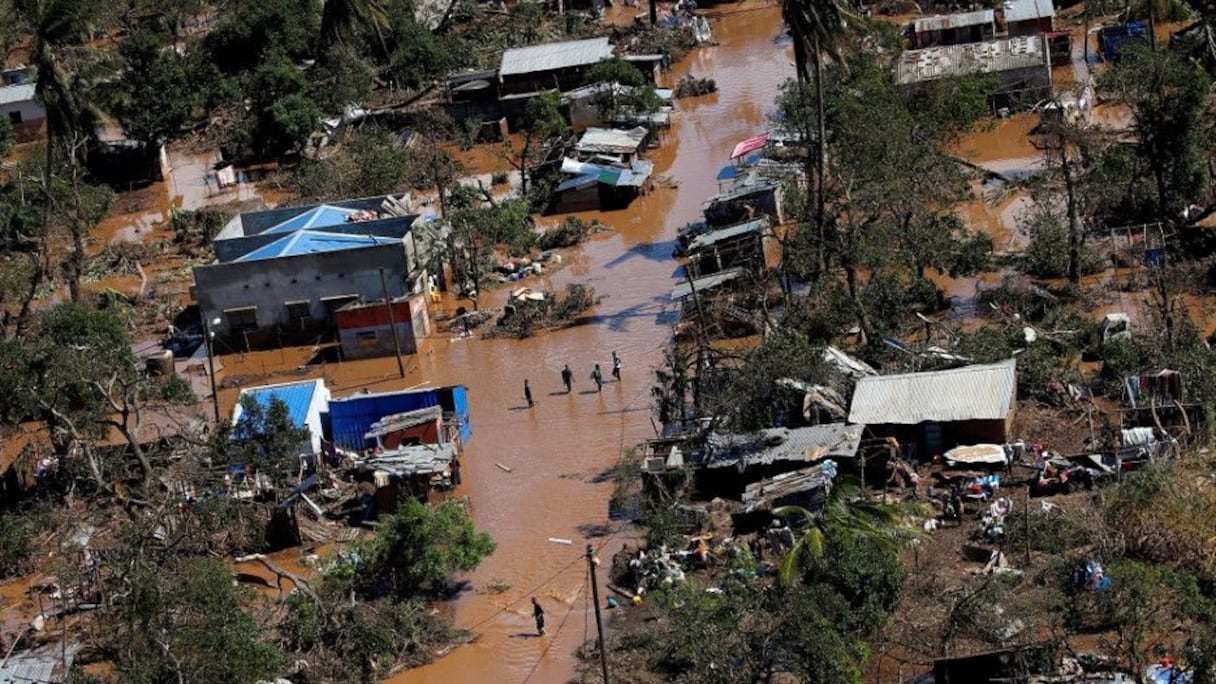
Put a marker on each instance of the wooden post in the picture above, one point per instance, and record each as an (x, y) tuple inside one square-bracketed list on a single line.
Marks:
[(599, 622), (392, 322)]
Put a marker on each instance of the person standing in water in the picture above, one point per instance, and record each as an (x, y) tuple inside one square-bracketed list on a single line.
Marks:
[(568, 378), (616, 366), (528, 392), (598, 376), (539, 614)]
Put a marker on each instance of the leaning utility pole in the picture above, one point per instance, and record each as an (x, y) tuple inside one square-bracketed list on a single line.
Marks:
[(599, 622)]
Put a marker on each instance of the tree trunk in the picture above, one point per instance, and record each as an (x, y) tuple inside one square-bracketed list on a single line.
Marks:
[(821, 159), (654, 12), (863, 320), (1074, 222)]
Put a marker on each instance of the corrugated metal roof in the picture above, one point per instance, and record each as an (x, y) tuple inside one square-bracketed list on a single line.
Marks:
[(709, 282), (783, 444), (321, 216), (716, 236), (916, 66), (22, 92), (297, 395), (46, 665), (407, 461), (942, 22), (611, 141), (980, 392), (554, 56), (351, 417), (312, 242), (1028, 10)]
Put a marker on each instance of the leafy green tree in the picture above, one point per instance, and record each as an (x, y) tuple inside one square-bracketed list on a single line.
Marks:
[(188, 622), (749, 397), (1167, 96), (152, 74), (846, 512), (419, 546), (368, 162), (342, 77), (7, 137), (419, 56), (540, 129), (248, 34), (263, 438)]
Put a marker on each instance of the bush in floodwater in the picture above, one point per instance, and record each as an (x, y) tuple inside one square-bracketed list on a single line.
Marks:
[(571, 232)]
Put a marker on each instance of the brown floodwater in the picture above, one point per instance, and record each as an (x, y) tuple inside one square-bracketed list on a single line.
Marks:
[(558, 451)]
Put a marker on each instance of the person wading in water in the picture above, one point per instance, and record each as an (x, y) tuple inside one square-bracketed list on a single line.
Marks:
[(616, 366), (568, 378), (539, 614), (528, 392), (598, 376)]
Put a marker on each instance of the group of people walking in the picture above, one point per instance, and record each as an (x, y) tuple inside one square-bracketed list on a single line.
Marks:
[(597, 376)]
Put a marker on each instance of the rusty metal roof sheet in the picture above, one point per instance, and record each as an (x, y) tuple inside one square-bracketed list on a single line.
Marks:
[(942, 22), (916, 66), (980, 392), (807, 444)]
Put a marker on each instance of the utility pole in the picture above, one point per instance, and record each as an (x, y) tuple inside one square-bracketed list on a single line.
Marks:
[(215, 394), (392, 322), (599, 622)]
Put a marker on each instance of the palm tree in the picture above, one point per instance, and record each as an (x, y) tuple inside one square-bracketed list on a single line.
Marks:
[(847, 511), (60, 30), (816, 27), (341, 18)]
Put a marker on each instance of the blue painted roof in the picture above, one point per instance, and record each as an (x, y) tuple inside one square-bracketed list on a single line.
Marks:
[(314, 241), (321, 216), (297, 395), (351, 417)]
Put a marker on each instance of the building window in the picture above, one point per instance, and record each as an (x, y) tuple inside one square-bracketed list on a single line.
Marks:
[(242, 319), (298, 312), (366, 338), (332, 304), (14, 117)]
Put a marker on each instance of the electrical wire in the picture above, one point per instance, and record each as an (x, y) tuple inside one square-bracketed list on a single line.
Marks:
[(528, 593), (549, 644)]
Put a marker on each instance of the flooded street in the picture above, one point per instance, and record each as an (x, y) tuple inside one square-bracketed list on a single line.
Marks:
[(559, 450)]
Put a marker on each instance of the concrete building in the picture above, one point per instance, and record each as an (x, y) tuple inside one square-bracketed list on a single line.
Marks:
[(305, 402), (552, 65), (1028, 17), (287, 271), (366, 329), (941, 409), (954, 29), (18, 104), (1021, 67)]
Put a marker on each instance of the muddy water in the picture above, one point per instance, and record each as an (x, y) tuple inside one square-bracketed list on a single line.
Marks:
[(558, 450)]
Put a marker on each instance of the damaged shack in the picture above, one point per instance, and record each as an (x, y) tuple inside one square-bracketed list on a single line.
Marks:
[(1020, 68), (606, 173), (725, 464), (933, 411)]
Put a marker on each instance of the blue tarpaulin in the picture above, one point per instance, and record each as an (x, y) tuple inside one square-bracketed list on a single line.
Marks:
[(351, 417)]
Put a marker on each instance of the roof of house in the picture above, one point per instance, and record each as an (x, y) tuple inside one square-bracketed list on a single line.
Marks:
[(407, 461), (941, 22), (705, 283), (916, 66), (554, 56), (314, 242), (813, 443), (297, 396), (320, 216), (403, 421), (1028, 10), (979, 392), (611, 141), (46, 665), (715, 236), (22, 92)]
